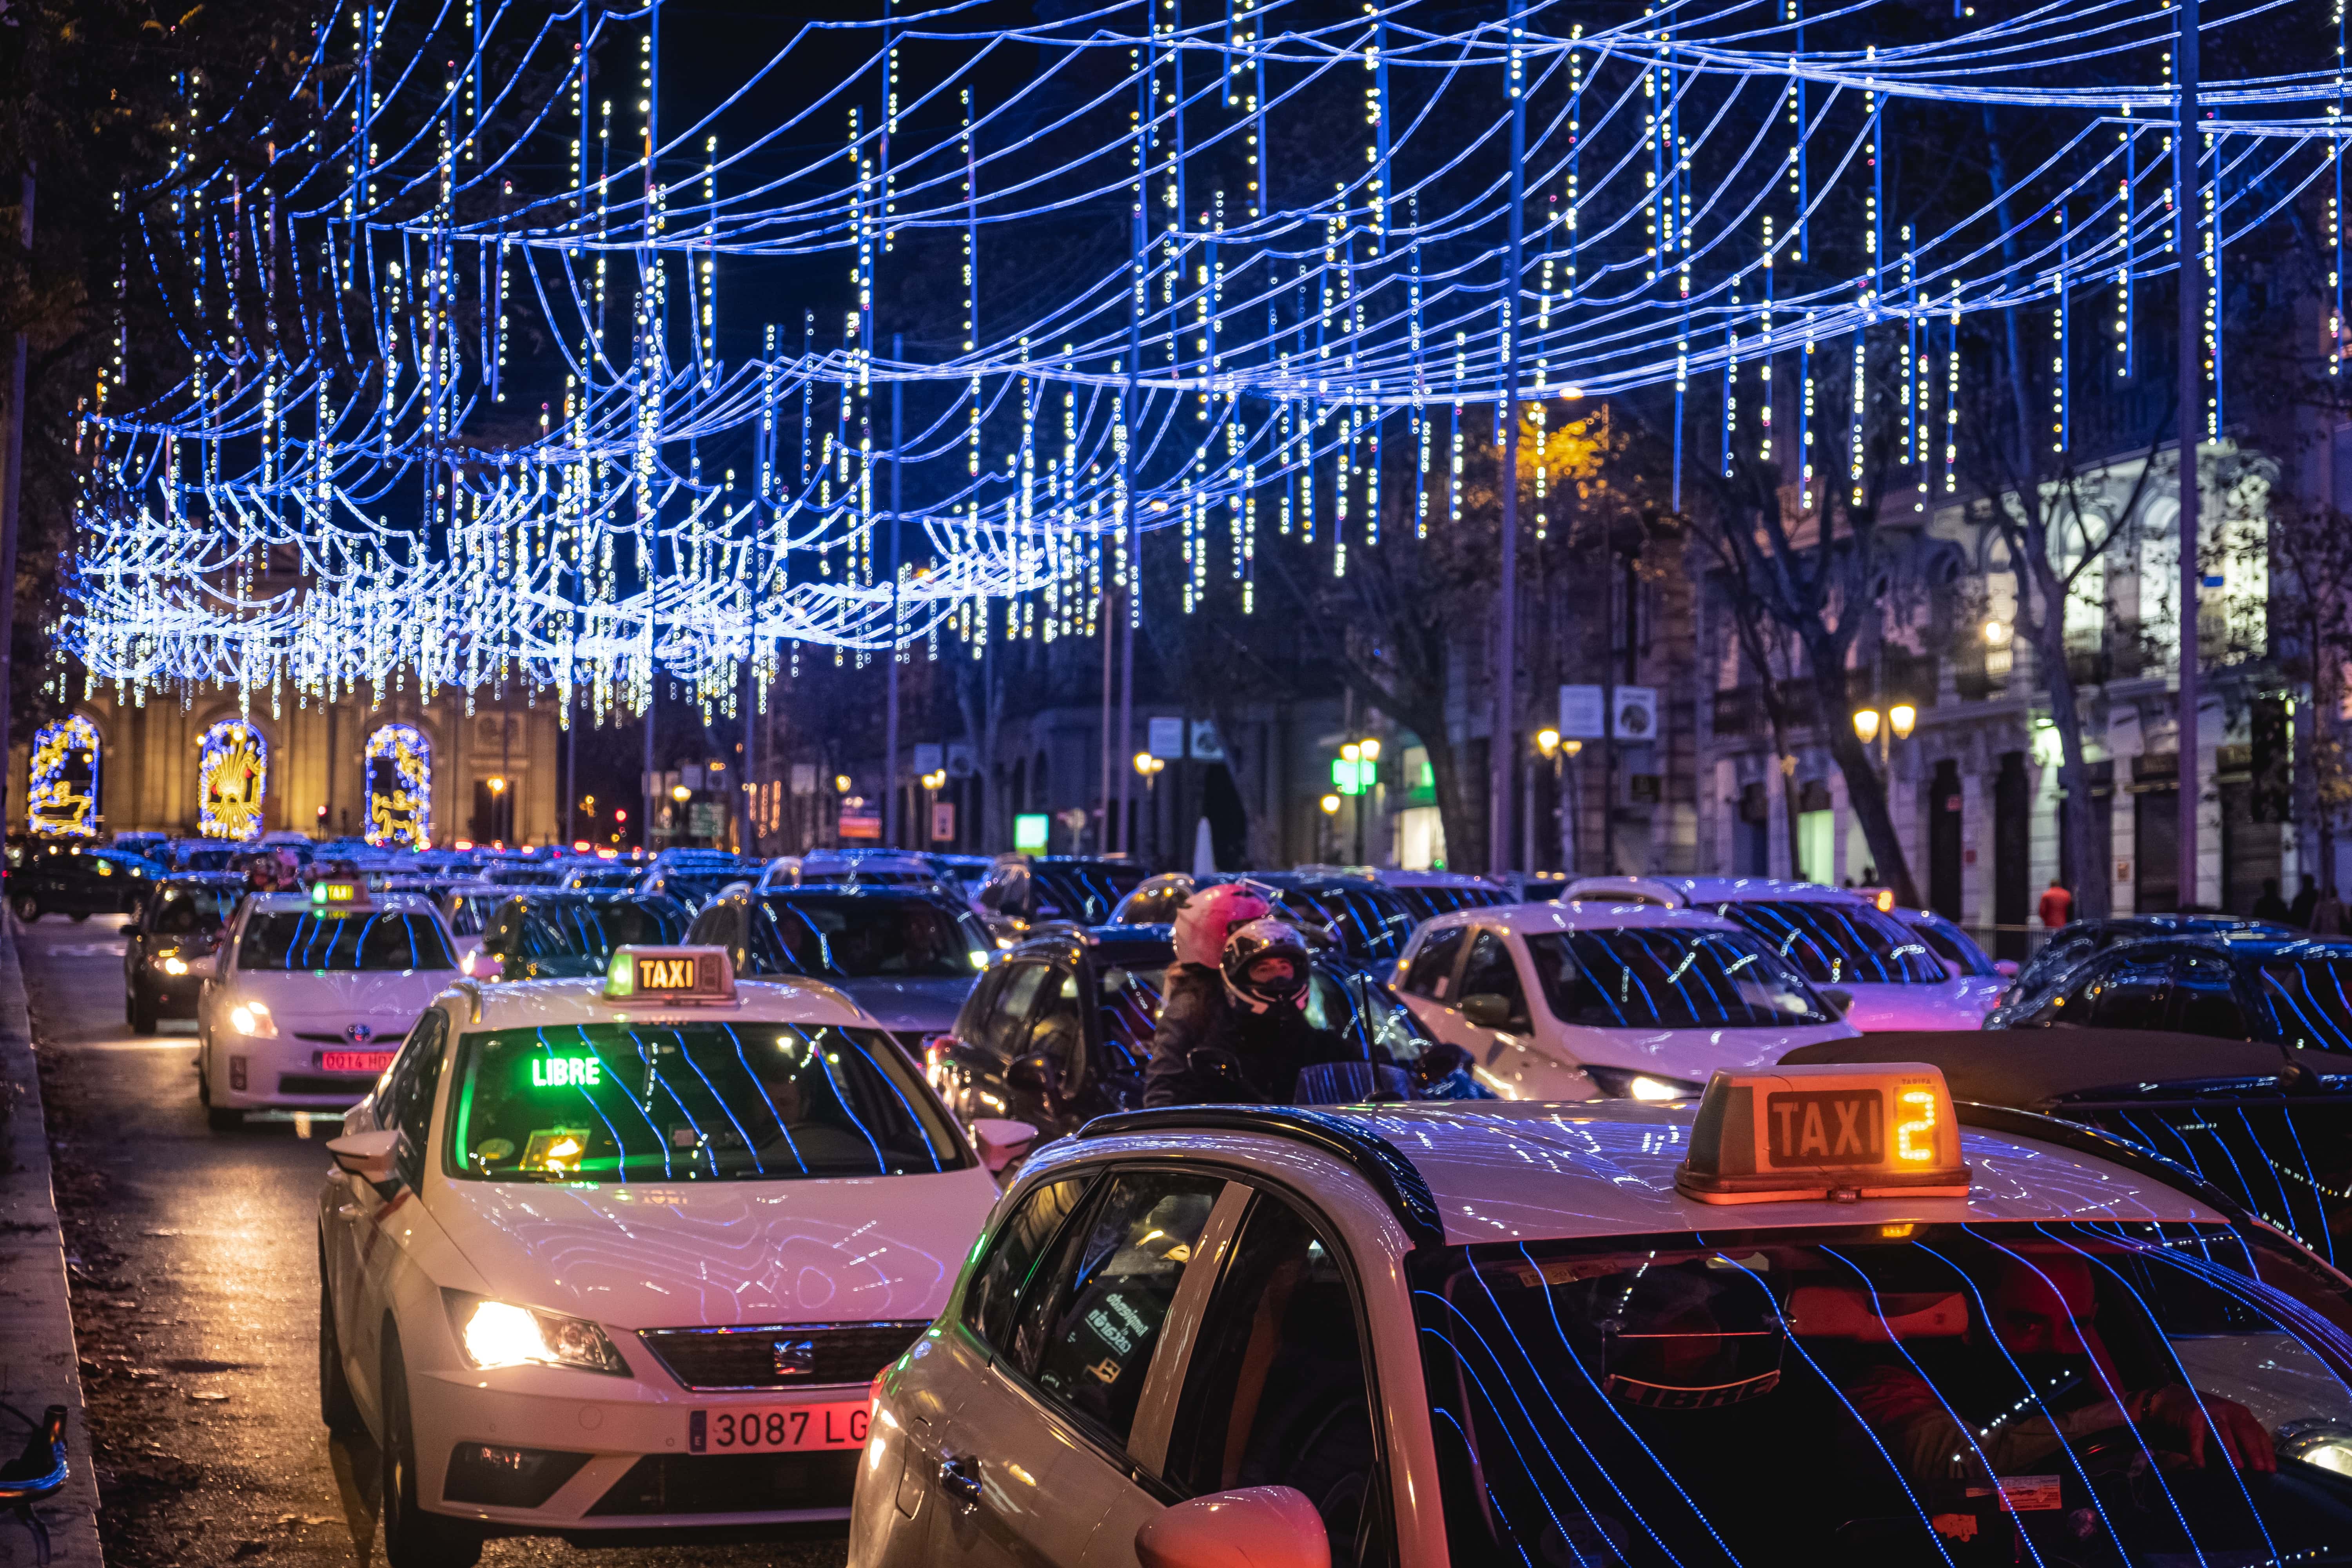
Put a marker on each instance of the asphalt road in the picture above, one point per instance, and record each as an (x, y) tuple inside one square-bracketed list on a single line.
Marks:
[(192, 1258)]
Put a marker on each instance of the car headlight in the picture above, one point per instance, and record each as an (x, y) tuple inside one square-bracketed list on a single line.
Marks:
[(498, 1333), (1620, 1084), (253, 1018), (171, 963)]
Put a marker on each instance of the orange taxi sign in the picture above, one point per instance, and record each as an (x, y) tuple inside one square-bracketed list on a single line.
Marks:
[(669, 975), (1794, 1133)]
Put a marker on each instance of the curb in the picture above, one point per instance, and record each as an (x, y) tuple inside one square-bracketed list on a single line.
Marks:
[(38, 1363)]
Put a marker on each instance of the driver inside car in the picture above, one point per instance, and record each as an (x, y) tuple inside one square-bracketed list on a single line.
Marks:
[(2042, 1312)]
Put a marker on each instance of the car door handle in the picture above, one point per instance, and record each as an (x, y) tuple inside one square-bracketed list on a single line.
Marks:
[(960, 1477)]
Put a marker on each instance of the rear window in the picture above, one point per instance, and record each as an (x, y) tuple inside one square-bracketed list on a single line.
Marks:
[(343, 942), (1839, 943), (1950, 943), (194, 911), (1371, 923), (1087, 894), (853, 938), (695, 1101), (593, 928), (1661, 977)]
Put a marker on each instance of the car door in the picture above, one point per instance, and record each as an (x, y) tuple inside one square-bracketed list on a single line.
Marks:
[(362, 1289), (1038, 1451), (1127, 1015), (1279, 1390), (1046, 1057), (1001, 1032), (1490, 970), (1430, 986)]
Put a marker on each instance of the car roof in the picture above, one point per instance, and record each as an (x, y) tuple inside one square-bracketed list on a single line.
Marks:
[(2276, 943), (553, 1003), (2037, 1070), (901, 891), (1512, 1171), (1533, 920), (1707, 890)]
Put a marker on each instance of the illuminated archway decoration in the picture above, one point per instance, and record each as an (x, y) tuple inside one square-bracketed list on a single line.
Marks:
[(63, 800), (400, 788), (232, 781)]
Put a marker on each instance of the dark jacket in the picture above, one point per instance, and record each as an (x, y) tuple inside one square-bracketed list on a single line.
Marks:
[(1271, 1046)]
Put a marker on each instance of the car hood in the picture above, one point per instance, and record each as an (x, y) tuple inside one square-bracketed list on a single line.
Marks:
[(1692, 1055), (1959, 1004), (673, 1255), (303, 997), (923, 1006)]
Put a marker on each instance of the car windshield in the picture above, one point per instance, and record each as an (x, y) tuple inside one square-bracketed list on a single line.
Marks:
[(1900, 1393), (2310, 999), (1087, 894), (693, 1101), (593, 928), (1950, 943), (1371, 922), (342, 941), (194, 911), (1840, 942), (848, 937), (1669, 977)]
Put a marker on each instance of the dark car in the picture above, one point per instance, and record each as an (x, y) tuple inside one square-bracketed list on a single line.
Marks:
[(904, 954), (693, 884), (180, 920), (1368, 923), (2271, 1125), (1030, 889), (2047, 970), (1059, 1030), (554, 935), (79, 882), (2277, 986)]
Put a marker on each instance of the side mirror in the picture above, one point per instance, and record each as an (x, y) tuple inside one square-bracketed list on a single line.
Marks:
[(1486, 1010), (1840, 1001), (2005, 967), (1263, 1527), (367, 1156), (1002, 1140), (1035, 1074)]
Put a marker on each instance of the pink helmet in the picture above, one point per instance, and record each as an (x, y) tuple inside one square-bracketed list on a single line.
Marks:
[(1209, 916)]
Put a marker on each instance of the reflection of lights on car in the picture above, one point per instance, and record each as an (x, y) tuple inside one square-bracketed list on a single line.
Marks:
[(1644, 1088)]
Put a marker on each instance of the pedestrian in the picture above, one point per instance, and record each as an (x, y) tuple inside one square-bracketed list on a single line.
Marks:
[(2057, 904), (2327, 914), (2307, 900), (2269, 906)]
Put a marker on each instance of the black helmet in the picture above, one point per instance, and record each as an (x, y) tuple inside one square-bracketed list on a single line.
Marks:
[(1266, 965)]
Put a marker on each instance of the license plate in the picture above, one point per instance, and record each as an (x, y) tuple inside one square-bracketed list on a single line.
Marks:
[(779, 1429), (355, 1062)]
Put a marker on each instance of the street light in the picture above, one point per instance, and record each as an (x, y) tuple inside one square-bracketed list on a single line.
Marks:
[(840, 783), (1900, 717), (1865, 724), (1150, 767), (681, 793), (1558, 751)]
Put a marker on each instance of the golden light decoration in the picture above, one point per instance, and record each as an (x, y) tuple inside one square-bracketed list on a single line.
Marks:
[(63, 800), (232, 781), (400, 788)]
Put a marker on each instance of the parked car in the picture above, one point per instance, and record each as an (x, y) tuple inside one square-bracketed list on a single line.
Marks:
[(182, 919), (2231, 985), (841, 868), (2047, 970), (691, 884), (78, 882), (1961, 954), (1585, 1000), (1059, 1028), (552, 935), (1024, 891), (1834, 938)]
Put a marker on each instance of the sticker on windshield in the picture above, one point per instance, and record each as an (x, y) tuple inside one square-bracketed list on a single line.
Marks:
[(492, 1150), (555, 1149)]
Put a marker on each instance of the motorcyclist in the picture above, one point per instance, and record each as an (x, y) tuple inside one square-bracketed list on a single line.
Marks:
[(1193, 992), (1254, 1046)]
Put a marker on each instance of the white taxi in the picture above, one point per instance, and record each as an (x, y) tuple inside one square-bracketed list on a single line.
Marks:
[(1573, 1001), (608, 1257), (1887, 974), (1814, 1317), (308, 995)]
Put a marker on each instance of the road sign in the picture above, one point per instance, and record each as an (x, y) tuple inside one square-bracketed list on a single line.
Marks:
[(927, 757), (1165, 738), (1580, 712)]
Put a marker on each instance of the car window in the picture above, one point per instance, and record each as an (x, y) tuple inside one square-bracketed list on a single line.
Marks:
[(1371, 922), (1669, 977), (995, 1290), (1056, 1029), (850, 936), (1951, 944), (1083, 893), (1839, 943), (1489, 972), (1276, 1392), (1432, 972), (424, 1038), (1154, 905), (192, 911), (1130, 1015), (2205, 997), (2127, 992), (342, 941), (1001, 1032), (1088, 1327), (1365, 1013), (412, 1091), (2047, 971), (594, 928)]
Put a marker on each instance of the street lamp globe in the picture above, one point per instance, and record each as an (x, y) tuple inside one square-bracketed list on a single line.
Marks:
[(1901, 718), (1546, 742), (1369, 748), (1865, 724), (1330, 806)]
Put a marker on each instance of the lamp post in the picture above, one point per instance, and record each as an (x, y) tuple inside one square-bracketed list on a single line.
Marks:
[(1886, 729), (841, 786), (1330, 808), (933, 782), (1557, 752), (1150, 768), (498, 834)]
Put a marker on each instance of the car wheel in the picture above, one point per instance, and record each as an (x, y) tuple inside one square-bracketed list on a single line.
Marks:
[(337, 1408), (143, 1009), (413, 1538), (28, 908)]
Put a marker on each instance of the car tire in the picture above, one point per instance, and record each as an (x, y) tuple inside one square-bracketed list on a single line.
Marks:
[(337, 1408), (143, 1009), (28, 908), (413, 1538)]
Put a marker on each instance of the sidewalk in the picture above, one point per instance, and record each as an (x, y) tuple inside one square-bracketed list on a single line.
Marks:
[(38, 1362)]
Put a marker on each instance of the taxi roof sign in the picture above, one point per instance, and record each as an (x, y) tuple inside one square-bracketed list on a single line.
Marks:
[(346, 891), (688, 975), (1826, 1131)]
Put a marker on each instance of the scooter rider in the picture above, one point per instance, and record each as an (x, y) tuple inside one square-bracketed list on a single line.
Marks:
[(1252, 1051)]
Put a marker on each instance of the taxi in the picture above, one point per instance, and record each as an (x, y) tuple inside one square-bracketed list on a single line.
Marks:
[(607, 1257), (1822, 1315), (307, 993)]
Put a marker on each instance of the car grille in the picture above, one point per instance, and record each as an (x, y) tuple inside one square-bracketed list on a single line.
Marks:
[(748, 1358), (731, 1483)]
